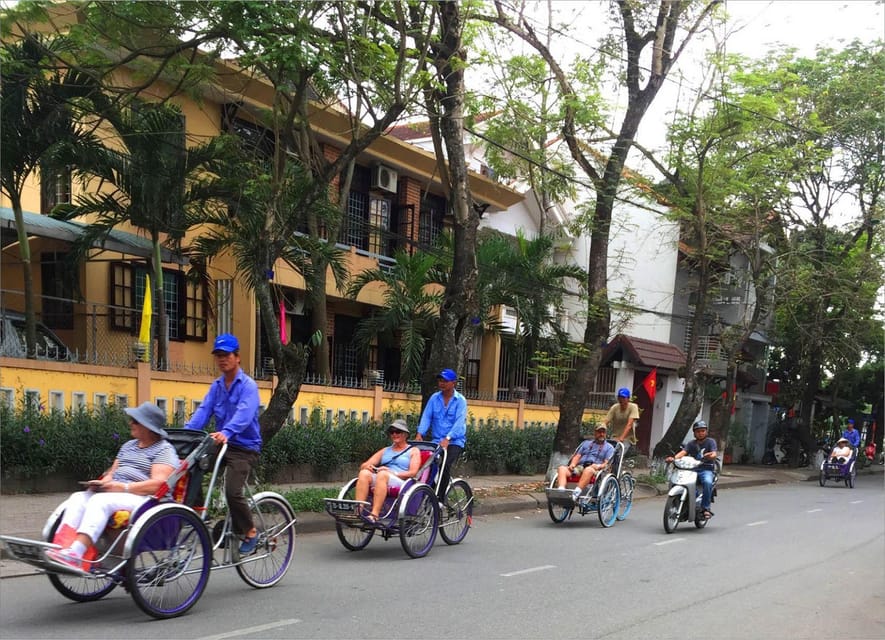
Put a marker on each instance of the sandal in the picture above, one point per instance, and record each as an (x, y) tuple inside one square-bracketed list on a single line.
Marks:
[(707, 514), (371, 518)]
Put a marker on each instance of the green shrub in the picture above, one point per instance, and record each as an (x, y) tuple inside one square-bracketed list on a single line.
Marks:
[(85, 443), (310, 498), (81, 443)]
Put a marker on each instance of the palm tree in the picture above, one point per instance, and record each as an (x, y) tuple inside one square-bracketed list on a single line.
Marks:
[(154, 181), (520, 273), (263, 222), (37, 105), (410, 311)]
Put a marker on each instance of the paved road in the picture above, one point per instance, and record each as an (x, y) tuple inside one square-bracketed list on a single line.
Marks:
[(776, 561)]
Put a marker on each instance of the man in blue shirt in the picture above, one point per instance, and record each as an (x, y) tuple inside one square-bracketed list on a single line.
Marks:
[(851, 434), (233, 401), (445, 415)]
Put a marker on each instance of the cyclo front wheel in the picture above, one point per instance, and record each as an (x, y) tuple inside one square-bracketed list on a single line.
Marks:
[(169, 562), (273, 518), (458, 512), (418, 520), (78, 588)]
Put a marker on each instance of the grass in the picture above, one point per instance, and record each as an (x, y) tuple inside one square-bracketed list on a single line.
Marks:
[(310, 498)]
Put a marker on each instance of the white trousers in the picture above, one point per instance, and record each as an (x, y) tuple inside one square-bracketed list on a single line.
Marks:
[(88, 512)]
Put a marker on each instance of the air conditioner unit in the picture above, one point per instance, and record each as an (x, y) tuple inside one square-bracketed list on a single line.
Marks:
[(384, 178)]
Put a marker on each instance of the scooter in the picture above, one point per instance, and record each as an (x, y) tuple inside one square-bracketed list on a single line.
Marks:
[(684, 498)]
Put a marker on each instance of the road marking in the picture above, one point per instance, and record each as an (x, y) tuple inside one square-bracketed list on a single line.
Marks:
[(813, 510), (856, 501), (532, 570), (670, 541), (251, 630), (756, 524)]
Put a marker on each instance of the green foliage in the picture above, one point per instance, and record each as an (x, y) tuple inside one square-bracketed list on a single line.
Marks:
[(79, 443), (507, 450), (311, 498)]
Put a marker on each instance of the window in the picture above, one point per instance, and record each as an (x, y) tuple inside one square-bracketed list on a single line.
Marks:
[(99, 401), (355, 225), (7, 397), (121, 401), (430, 219), (161, 402), (59, 281), (55, 188), (178, 416), (78, 401), (225, 306), (57, 401), (32, 399), (181, 297)]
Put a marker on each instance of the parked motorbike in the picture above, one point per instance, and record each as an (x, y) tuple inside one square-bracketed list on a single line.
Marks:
[(781, 451), (684, 498)]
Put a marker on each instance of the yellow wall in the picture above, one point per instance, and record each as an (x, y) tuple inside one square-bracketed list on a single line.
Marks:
[(141, 384)]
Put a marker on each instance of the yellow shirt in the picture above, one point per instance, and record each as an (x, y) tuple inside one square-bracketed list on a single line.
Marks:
[(616, 419)]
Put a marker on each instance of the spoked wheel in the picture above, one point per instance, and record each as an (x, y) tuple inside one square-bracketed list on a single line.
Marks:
[(609, 501), (851, 477), (168, 567), (79, 588), (671, 513), (356, 537), (558, 512), (458, 510), (626, 483), (823, 477), (275, 522), (418, 520)]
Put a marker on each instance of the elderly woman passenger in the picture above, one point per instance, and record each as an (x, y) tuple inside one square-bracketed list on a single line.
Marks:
[(142, 465), (387, 468)]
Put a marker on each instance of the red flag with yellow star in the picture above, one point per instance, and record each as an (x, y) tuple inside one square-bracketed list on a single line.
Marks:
[(650, 384)]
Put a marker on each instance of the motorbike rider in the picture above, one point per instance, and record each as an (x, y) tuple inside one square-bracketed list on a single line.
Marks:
[(701, 448)]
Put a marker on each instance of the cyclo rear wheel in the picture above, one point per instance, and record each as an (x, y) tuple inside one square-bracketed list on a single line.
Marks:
[(458, 507), (627, 484), (608, 501), (418, 520), (274, 520)]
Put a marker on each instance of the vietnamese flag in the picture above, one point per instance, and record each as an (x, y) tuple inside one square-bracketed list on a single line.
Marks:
[(650, 384)]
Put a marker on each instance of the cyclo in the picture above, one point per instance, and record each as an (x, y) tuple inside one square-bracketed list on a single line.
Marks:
[(163, 552), (412, 512), (610, 494)]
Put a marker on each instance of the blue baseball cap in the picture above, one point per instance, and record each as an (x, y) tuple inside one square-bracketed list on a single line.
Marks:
[(850, 421), (623, 392), (226, 343), (448, 375)]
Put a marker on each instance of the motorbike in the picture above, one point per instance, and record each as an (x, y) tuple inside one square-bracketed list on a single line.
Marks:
[(684, 497), (780, 452)]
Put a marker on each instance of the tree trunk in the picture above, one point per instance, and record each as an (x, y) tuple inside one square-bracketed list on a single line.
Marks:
[(460, 307), (24, 249)]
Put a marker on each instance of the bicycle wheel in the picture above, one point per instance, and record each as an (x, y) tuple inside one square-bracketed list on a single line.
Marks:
[(627, 484), (418, 520), (357, 536), (608, 501), (275, 522), (78, 588), (169, 561), (823, 477), (558, 513), (458, 507)]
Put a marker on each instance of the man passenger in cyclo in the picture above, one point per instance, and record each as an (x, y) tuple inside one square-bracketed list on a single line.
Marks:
[(591, 457), (701, 448), (445, 416), (233, 401), (622, 417)]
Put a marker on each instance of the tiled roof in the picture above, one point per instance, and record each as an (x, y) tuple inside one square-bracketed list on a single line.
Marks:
[(649, 353)]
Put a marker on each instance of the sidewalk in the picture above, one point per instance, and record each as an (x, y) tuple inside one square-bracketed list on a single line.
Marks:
[(24, 515)]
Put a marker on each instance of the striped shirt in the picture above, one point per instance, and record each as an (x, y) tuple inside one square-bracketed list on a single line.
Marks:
[(135, 463)]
